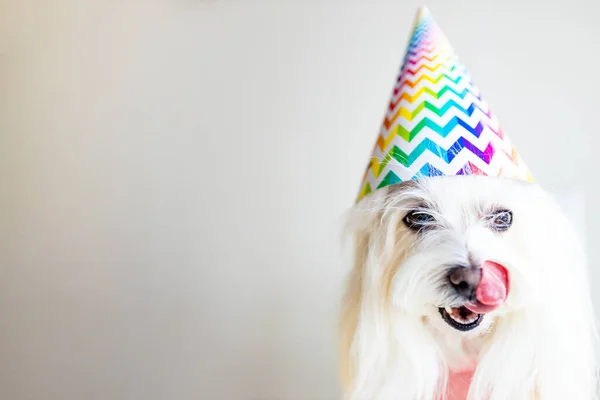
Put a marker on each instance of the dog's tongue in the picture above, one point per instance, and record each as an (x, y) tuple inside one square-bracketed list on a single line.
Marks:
[(492, 289)]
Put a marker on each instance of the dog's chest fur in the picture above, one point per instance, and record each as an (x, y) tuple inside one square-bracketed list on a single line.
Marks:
[(460, 354)]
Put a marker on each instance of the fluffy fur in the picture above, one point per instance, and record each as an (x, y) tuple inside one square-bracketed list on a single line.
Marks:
[(539, 345)]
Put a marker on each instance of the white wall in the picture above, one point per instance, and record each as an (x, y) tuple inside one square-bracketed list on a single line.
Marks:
[(174, 173)]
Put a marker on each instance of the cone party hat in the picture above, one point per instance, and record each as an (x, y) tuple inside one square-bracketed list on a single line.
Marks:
[(437, 124)]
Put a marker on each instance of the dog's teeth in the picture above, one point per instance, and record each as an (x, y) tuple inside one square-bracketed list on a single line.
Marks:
[(464, 321), (471, 319), (456, 315)]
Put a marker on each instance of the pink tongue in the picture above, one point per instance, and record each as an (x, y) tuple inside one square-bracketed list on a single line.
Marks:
[(492, 289)]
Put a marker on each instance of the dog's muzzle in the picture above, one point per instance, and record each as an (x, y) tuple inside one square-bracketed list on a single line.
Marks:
[(483, 289)]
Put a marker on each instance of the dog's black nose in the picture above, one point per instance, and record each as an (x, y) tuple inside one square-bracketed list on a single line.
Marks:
[(465, 280)]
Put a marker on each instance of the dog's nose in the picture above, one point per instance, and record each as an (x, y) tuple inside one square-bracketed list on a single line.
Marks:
[(465, 280)]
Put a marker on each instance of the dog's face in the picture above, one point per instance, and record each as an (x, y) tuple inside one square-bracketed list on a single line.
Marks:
[(452, 271), (466, 248)]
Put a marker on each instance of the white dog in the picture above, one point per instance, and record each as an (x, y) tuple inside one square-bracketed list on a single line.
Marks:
[(466, 288)]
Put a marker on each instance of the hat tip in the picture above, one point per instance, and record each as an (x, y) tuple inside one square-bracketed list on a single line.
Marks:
[(423, 9)]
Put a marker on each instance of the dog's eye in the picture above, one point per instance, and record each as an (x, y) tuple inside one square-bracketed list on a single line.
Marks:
[(502, 220), (418, 219)]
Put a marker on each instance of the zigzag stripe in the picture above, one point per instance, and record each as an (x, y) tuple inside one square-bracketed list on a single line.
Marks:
[(434, 83), (419, 34), (409, 116), (422, 23), (414, 72), (446, 155), (426, 77), (412, 98), (441, 130), (420, 29), (422, 32), (430, 50), (485, 136), (470, 169), (428, 39), (422, 41), (421, 57), (391, 178), (432, 36), (425, 66), (427, 46), (364, 191), (427, 170)]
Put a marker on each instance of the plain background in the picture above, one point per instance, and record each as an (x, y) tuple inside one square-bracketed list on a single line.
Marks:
[(173, 176)]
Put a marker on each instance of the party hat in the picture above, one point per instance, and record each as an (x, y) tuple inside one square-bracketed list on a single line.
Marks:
[(437, 124)]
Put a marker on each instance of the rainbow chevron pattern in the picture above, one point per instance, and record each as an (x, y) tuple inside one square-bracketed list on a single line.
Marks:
[(437, 124)]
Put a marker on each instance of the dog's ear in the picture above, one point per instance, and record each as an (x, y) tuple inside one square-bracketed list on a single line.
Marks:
[(351, 304), (364, 305), (365, 328), (381, 348)]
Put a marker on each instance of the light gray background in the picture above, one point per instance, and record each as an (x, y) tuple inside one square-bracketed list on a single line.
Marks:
[(173, 174)]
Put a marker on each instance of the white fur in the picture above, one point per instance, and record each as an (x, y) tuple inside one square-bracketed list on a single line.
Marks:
[(540, 345)]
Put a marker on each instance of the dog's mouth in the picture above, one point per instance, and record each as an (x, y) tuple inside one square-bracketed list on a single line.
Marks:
[(461, 318)]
